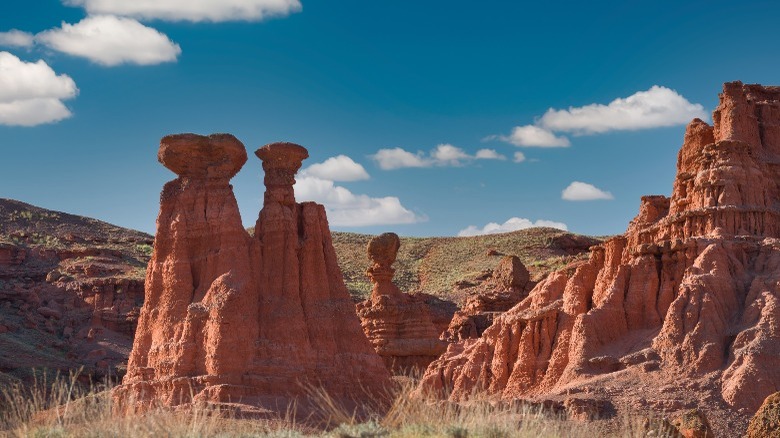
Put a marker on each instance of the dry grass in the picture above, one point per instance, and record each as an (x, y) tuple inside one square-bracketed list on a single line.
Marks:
[(60, 408)]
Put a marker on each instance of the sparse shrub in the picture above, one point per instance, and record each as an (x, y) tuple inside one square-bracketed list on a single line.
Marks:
[(457, 432), (370, 429), (144, 249)]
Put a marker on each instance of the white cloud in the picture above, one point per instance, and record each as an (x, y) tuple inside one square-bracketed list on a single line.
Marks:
[(31, 93), (347, 209), (519, 157), (16, 38), (448, 155), (654, 108), (397, 158), (488, 154), (657, 107), (338, 168), (110, 41), (442, 155), (512, 224), (580, 191), (534, 136), (191, 10)]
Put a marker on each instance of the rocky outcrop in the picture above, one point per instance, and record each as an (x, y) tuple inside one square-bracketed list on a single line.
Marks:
[(73, 285), (398, 325), (766, 422), (229, 317), (504, 287), (689, 294)]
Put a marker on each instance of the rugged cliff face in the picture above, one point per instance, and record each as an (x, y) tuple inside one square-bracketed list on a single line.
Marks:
[(231, 317), (680, 310), (399, 326)]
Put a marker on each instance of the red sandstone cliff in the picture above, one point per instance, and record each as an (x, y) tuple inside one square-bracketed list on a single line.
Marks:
[(399, 326), (231, 317), (681, 311)]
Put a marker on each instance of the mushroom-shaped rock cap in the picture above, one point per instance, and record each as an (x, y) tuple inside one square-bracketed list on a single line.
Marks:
[(383, 248), (282, 154), (200, 156)]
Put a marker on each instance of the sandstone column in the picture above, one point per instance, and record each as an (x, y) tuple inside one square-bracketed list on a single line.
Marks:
[(399, 327), (197, 323)]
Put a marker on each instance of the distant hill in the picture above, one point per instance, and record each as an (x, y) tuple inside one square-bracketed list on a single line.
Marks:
[(435, 264), (30, 226)]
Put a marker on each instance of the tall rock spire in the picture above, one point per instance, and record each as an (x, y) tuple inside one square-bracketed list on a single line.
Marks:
[(231, 318)]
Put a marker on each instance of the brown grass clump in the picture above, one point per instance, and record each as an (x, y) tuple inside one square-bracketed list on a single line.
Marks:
[(60, 408)]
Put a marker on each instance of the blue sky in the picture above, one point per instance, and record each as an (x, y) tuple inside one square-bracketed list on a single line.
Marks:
[(353, 78)]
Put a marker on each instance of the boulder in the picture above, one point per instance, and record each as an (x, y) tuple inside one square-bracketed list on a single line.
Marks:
[(766, 422)]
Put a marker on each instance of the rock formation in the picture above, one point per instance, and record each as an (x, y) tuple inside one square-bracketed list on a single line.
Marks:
[(766, 422), (399, 326), (680, 310), (233, 318), (504, 287)]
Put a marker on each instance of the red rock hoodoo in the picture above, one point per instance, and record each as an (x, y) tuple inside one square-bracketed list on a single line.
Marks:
[(505, 286), (682, 309), (231, 317), (399, 326)]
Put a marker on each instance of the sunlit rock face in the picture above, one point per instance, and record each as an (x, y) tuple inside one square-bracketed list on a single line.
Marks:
[(228, 317), (686, 300)]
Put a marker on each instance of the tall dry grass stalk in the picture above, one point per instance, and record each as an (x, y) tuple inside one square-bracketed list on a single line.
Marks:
[(59, 407)]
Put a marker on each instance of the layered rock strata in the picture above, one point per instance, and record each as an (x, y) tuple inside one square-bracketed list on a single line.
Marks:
[(681, 309), (229, 317), (505, 286), (399, 326)]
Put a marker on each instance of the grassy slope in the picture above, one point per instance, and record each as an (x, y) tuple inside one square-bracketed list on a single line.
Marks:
[(433, 265), (27, 226)]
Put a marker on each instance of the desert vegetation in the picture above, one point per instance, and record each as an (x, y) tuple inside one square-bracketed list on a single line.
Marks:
[(60, 406), (435, 264)]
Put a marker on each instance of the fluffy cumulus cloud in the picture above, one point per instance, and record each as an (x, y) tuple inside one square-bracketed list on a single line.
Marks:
[(108, 40), (347, 209), (16, 38), (654, 108), (31, 93), (191, 10), (442, 155), (512, 224), (535, 136), (657, 107), (519, 157), (580, 191), (338, 168), (397, 158), (488, 154)]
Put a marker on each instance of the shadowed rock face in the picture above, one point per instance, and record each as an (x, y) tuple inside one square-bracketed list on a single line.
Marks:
[(691, 289), (398, 325), (231, 317)]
